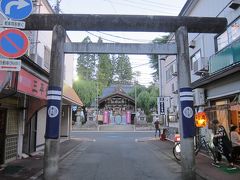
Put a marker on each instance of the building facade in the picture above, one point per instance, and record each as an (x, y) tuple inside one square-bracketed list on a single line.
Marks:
[(23, 96), (214, 64)]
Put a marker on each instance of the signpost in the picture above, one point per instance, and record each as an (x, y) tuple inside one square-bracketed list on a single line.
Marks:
[(16, 9), (14, 43), (10, 65), (14, 24), (161, 105)]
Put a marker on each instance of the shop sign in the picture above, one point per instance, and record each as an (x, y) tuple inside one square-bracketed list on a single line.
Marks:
[(31, 85)]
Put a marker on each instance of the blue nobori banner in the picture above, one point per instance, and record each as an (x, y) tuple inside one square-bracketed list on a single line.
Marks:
[(54, 97), (186, 101)]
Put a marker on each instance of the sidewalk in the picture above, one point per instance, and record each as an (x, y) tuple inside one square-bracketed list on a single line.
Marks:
[(203, 164), (23, 169)]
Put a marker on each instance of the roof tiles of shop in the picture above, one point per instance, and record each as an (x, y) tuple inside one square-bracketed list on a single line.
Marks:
[(70, 95)]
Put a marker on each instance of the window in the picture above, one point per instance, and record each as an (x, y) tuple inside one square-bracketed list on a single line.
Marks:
[(194, 60), (231, 34)]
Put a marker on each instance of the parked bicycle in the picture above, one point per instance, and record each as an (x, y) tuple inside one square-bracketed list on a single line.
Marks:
[(200, 144)]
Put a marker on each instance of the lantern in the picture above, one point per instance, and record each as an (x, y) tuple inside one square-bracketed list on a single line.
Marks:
[(201, 119)]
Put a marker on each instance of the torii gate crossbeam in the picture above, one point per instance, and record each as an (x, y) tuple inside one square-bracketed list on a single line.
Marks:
[(97, 22), (120, 48)]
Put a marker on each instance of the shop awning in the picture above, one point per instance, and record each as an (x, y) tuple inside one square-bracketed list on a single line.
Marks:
[(70, 96)]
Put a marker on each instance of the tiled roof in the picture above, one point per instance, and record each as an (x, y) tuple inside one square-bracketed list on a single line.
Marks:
[(114, 88)]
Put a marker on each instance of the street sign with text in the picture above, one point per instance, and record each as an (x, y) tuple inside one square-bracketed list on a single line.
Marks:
[(13, 24), (16, 9), (10, 65)]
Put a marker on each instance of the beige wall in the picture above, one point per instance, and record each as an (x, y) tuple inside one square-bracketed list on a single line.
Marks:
[(41, 126)]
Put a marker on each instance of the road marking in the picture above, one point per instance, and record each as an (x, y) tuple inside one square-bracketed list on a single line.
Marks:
[(144, 139)]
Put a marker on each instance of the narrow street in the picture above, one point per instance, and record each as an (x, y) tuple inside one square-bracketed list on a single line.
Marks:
[(107, 156)]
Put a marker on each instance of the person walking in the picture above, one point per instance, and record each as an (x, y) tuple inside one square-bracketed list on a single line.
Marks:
[(235, 138), (157, 128), (223, 146)]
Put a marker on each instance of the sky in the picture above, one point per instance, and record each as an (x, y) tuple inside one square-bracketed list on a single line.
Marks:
[(127, 7)]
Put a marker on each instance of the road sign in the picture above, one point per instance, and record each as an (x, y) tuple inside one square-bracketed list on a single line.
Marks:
[(10, 65), (13, 43), (161, 105), (14, 24), (16, 9)]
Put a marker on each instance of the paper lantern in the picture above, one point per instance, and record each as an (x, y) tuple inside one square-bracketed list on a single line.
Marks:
[(201, 119)]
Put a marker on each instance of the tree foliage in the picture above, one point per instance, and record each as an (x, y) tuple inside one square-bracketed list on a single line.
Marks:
[(103, 69), (86, 64), (123, 71), (154, 58), (86, 90), (104, 74)]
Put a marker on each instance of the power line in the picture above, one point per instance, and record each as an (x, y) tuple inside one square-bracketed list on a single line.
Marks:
[(101, 37), (141, 65), (166, 7), (138, 40), (114, 9), (161, 4), (139, 7)]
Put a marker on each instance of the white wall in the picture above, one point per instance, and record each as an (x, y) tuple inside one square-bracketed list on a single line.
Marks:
[(41, 126), (205, 42)]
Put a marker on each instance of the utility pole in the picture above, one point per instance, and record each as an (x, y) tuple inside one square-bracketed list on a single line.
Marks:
[(54, 104), (135, 89), (186, 113), (161, 98), (57, 7)]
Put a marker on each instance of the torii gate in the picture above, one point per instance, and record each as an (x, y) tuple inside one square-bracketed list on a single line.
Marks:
[(181, 25)]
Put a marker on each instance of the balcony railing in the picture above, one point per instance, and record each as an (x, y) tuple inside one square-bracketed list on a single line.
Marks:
[(226, 57)]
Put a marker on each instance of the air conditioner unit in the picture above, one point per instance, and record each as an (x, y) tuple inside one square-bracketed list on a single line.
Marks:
[(174, 73), (198, 97), (174, 89), (192, 44), (200, 66)]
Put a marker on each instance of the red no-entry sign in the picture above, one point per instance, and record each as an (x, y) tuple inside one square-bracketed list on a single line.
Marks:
[(13, 43)]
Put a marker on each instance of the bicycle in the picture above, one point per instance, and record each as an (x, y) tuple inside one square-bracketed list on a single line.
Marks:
[(201, 144)]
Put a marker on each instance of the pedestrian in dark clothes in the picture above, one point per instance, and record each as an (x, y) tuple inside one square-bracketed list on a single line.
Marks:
[(157, 128), (223, 146)]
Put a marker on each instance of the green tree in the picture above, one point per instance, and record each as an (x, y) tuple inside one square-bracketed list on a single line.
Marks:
[(154, 92), (123, 71), (143, 101), (86, 64), (104, 70), (87, 91), (154, 58)]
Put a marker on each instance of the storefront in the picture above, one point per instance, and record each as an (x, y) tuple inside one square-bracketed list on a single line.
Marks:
[(11, 117)]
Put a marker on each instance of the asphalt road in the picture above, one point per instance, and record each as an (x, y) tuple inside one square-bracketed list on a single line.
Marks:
[(117, 156)]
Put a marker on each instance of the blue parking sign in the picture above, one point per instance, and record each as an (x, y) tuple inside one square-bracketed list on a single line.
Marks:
[(16, 9)]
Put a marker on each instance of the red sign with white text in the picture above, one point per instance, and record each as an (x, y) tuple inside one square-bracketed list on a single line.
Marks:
[(31, 85)]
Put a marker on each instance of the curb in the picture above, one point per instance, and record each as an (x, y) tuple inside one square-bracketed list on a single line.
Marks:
[(40, 173)]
